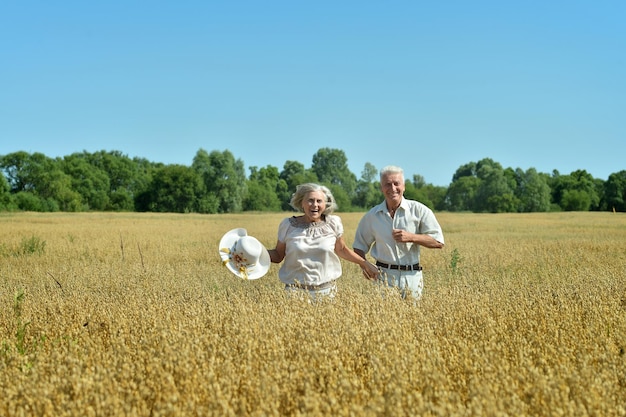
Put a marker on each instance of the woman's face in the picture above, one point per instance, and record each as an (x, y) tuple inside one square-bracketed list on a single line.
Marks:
[(313, 205)]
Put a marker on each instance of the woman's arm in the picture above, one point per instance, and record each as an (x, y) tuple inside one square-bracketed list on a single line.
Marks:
[(344, 252), (278, 253)]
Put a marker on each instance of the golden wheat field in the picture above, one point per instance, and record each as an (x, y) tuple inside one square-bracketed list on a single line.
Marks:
[(134, 315)]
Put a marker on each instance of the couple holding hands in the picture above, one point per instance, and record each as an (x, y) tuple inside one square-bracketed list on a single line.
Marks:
[(310, 245)]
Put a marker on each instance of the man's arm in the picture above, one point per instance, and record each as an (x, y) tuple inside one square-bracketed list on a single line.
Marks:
[(427, 241), (359, 252)]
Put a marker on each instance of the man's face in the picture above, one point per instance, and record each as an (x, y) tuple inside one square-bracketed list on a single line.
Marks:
[(392, 186)]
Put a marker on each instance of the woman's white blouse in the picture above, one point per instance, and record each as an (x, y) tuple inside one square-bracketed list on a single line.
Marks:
[(310, 257)]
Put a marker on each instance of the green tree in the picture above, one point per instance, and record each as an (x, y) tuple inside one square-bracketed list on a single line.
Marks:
[(615, 192), (223, 177), (20, 173), (175, 188), (461, 194), (43, 178), (419, 194), (599, 194), (87, 180), (532, 191), (262, 187), (123, 198), (575, 200), (331, 168), (577, 191), (431, 193), (495, 193), (56, 185), (128, 177), (466, 170), (6, 200), (436, 194), (293, 174), (27, 201), (342, 199), (367, 192)]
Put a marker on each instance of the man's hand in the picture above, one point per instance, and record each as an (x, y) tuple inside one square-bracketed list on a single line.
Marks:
[(403, 236)]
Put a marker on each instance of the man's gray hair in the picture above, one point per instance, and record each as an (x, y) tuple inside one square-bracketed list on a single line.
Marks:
[(391, 169), (303, 189)]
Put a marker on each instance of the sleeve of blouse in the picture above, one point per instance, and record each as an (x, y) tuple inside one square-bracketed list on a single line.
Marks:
[(282, 230), (336, 224)]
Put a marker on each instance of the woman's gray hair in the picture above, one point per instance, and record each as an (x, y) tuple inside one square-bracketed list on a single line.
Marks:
[(303, 189), (391, 169)]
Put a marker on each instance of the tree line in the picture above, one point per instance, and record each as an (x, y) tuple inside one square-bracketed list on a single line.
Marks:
[(216, 182)]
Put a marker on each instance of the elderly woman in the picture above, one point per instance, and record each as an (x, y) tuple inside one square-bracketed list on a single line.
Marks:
[(312, 243)]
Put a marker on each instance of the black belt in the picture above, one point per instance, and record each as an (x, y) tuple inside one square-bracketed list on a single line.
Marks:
[(416, 267)]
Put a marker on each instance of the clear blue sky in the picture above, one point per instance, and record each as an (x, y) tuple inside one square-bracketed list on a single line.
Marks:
[(429, 86)]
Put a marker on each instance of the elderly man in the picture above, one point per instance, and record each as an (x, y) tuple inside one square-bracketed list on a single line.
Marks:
[(394, 231)]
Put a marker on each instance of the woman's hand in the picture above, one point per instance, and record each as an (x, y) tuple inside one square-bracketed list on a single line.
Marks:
[(370, 271)]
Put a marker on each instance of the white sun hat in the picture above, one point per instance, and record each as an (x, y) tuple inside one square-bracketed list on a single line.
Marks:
[(244, 255)]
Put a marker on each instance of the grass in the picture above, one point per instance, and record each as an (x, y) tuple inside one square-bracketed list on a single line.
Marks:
[(133, 314)]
